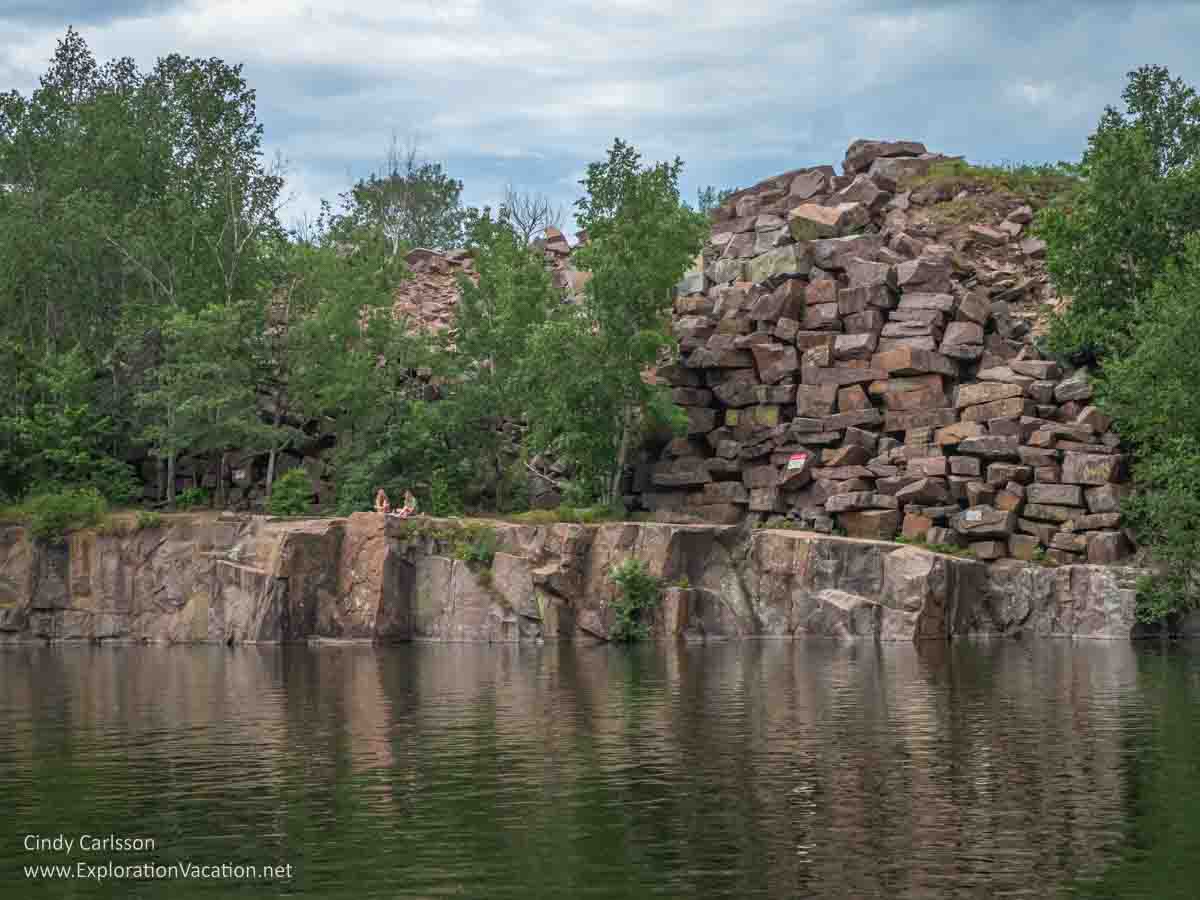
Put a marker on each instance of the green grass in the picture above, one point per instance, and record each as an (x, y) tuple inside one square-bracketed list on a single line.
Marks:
[(577, 515), (1040, 183)]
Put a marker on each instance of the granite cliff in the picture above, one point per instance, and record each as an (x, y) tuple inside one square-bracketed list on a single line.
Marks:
[(236, 578)]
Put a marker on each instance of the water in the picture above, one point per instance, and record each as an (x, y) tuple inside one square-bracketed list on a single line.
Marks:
[(758, 769)]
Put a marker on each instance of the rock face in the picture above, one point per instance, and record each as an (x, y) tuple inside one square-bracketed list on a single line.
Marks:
[(232, 579), (878, 321)]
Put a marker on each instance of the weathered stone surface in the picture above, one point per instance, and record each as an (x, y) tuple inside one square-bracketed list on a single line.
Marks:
[(862, 153), (985, 392), (1047, 513), (1057, 494), (1077, 387), (1092, 468), (1106, 498), (1012, 408), (913, 362), (834, 254), (680, 473), (854, 346), (775, 362), (816, 400), (874, 524), (811, 221), (790, 260), (841, 376), (989, 447), (918, 418), (985, 522), (1107, 547)]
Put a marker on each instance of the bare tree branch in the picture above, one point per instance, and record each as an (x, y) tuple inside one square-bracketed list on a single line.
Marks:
[(530, 214)]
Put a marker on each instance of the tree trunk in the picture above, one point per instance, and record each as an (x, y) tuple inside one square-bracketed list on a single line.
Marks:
[(274, 450), (221, 496), (171, 480), (622, 454)]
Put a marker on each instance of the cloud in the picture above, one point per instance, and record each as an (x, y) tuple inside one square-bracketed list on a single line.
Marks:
[(511, 92), (79, 12)]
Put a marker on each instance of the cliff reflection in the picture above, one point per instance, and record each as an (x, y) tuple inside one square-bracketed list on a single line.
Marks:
[(768, 768)]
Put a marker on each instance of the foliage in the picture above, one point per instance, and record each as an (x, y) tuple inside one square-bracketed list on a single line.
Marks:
[(781, 523), (148, 519), (49, 516), (192, 497), (1137, 200), (1040, 183), (708, 198), (578, 515), (291, 495), (475, 544), (586, 388), (638, 594), (410, 202), (53, 428), (1148, 389), (1128, 251)]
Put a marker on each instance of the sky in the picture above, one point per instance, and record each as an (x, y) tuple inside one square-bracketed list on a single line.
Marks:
[(527, 94)]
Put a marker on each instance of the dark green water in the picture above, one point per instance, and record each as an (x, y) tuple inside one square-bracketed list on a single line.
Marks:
[(763, 769)]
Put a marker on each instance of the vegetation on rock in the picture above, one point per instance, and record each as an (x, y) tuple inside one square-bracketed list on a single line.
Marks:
[(1126, 247), (638, 594)]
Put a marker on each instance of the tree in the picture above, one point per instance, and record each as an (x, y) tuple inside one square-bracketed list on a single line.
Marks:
[(529, 214), (1126, 248), (497, 318), (130, 198), (709, 198), (1138, 198), (585, 378), (410, 202), (329, 323), (202, 397), (1149, 389)]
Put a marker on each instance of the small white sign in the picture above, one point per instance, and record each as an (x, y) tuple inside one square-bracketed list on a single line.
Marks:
[(972, 515), (797, 461)]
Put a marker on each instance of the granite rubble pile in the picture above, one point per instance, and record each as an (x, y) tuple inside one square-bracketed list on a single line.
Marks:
[(859, 363)]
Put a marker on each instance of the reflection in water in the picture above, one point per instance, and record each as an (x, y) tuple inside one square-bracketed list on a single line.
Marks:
[(756, 769)]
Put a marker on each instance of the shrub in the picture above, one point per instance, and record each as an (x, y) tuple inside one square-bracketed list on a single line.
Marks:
[(475, 545), (148, 519), (291, 494), (50, 516), (192, 497), (638, 593)]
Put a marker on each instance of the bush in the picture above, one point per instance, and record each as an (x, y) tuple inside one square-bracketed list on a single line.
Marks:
[(148, 519), (50, 516), (475, 545), (639, 593), (291, 494), (192, 497)]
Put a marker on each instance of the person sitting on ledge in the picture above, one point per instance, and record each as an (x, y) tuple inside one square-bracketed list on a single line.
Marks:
[(409, 508), (382, 505)]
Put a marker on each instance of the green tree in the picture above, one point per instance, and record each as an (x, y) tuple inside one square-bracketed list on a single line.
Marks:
[(709, 198), (129, 199), (585, 378), (202, 397), (497, 319), (410, 202), (1149, 389), (1137, 200)]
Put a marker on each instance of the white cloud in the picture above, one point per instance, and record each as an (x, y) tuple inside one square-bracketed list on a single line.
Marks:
[(527, 94)]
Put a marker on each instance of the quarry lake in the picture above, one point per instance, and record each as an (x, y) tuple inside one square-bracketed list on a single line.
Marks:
[(753, 769)]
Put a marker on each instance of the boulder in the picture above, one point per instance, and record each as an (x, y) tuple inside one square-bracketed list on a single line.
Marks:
[(984, 522), (812, 221), (861, 153)]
